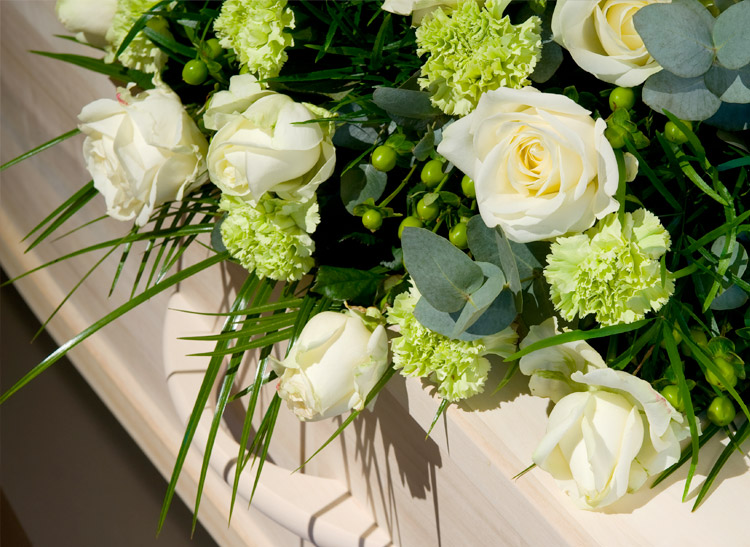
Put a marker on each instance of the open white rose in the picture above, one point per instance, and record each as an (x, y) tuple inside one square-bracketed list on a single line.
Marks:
[(601, 444), (550, 368), (601, 38), (265, 147), (418, 9), (89, 19), (541, 165), (142, 151), (332, 367)]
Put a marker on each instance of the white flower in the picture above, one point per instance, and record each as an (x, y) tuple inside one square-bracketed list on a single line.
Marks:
[(541, 165), (605, 442), (89, 19), (550, 368), (418, 9), (265, 147), (332, 367), (142, 151), (601, 38)]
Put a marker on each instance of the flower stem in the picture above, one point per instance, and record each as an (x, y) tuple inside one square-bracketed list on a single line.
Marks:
[(398, 188)]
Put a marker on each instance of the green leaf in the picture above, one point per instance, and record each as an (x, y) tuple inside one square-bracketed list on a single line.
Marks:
[(444, 275), (441, 409), (731, 36), (405, 102), (347, 283), (355, 136), (731, 86), (359, 185), (683, 47), (40, 148), (537, 306), (686, 98), (743, 433), (217, 242), (576, 335), (730, 299), (114, 71), (168, 44)]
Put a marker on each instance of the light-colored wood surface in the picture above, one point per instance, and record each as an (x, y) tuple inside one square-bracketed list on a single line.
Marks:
[(455, 488)]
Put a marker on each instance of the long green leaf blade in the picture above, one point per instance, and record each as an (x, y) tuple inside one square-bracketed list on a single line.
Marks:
[(40, 148)]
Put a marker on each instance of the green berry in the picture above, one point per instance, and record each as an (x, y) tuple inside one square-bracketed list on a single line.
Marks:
[(432, 173), (457, 236), (672, 394), (409, 222), (427, 212), (384, 158), (616, 136), (622, 97), (467, 187), (372, 219), (212, 48), (675, 134), (195, 72), (726, 369), (721, 411)]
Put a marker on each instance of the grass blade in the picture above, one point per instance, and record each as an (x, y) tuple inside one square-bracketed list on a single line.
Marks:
[(40, 148), (63, 213), (129, 305), (443, 405), (114, 71)]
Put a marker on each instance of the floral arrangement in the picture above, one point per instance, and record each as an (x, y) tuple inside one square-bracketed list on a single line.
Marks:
[(559, 185)]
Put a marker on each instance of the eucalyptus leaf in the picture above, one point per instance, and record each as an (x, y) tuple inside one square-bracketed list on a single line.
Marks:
[(731, 117), (731, 36), (444, 275), (405, 103), (217, 242), (686, 98), (731, 86), (425, 145), (684, 46), (730, 299), (491, 245), (738, 260), (360, 184), (548, 64), (481, 299), (537, 306), (355, 136)]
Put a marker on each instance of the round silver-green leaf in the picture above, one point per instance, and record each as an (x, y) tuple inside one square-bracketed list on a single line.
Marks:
[(686, 98), (731, 36)]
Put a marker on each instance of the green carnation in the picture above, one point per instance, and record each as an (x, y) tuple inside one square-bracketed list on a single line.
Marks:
[(459, 367), (475, 50), (254, 29), (271, 238), (141, 54), (611, 270)]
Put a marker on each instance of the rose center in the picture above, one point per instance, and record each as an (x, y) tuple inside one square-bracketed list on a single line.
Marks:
[(619, 16)]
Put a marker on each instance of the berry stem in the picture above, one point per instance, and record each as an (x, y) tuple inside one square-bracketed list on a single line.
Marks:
[(400, 187)]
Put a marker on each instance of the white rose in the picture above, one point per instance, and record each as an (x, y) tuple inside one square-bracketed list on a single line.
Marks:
[(142, 151), (601, 444), (332, 367), (550, 368), (541, 165), (418, 9), (265, 147), (601, 38), (89, 19)]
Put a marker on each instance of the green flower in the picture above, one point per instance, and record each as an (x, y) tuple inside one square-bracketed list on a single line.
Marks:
[(254, 29), (475, 50), (611, 270), (459, 367), (271, 238), (141, 54)]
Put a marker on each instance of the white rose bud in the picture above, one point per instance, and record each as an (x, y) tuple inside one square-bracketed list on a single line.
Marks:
[(142, 151), (541, 165), (265, 147), (601, 38), (332, 367), (89, 19), (605, 442)]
